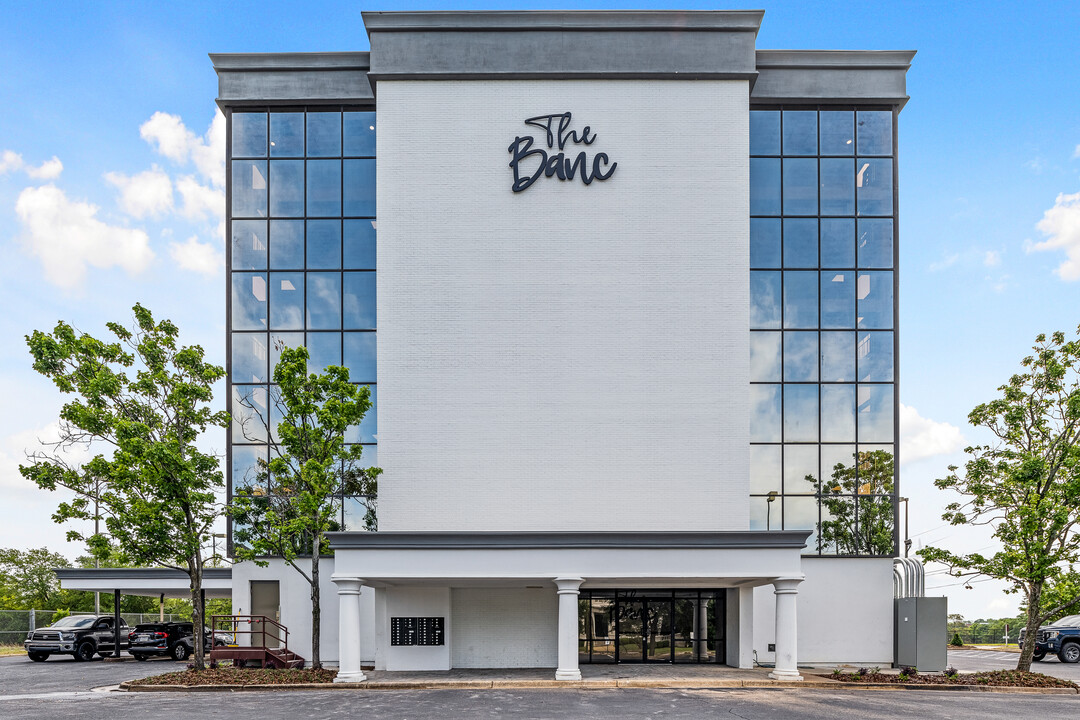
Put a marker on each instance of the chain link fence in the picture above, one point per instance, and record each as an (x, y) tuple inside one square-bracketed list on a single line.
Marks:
[(14, 624)]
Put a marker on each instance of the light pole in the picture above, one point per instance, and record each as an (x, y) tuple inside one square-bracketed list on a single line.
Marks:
[(216, 559), (768, 509), (907, 516)]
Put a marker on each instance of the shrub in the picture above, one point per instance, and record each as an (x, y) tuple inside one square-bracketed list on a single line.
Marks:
[(956, 641), (909, 670)]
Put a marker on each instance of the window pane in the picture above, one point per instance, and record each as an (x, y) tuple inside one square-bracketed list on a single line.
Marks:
[(764, 186), (837, 243), (800, 186), (800, 299), (368, 428), (359, 184), (249, 245), (324, 301), (249, 301), (837, 132), (765, 300), (286, 301), (765, 413), (875, 132), (324, 244), (360, 354), (287, 134), (280, 341), (801, 356), (833, 456), (800, 132), (249, 358), (323, 188), (875, 413), (287, 188), (875, 300), (324, 349), (324, 134), (247, 470), (286, 244), (837, 357), (359, 245), (249, 188), (764, 243), (765, 357), (874, 187), (764, 132), (249, 411), (801, 413), (248, 134), (357, 514), (837, 186), (876, 243), (837, 299), (838, 413), (801, 513), (359, 300), (359, 133), (765, 515), (875, 357), (764, 469), (800, 469), (801, 243)]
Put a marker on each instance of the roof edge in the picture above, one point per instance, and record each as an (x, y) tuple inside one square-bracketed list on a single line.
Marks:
[(565, 20), (780, 539)]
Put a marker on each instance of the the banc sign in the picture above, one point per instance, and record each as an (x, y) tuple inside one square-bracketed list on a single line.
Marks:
[(529, 163)]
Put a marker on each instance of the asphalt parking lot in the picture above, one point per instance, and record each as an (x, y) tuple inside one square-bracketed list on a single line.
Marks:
[(978, 660)]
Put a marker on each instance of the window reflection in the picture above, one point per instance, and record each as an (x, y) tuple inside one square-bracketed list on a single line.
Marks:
[(249, 245), (765, 357), (359, 245), (837, 243), (765, 186), (765, 413), (765, 469), (801, 413), (248, 301), (359, 132), (837, 186), (875, 403), (286, 134), (324, 244), (359, 188), (368, 429), (280, 341), (248, 188), (875, 293), (286, 301), (286, 188), (874, 186), (875, 132), (324, 349), (800, 186), (837, 356), (250, 412), (765, 300), (837, 132), (360, 356), (249, 468), (248, 134), (838, 413), (324, 188), (800, 132), (324, 134), (359, 300), (875, 356), (800, 243), (837, 299), (875, 243), (286, 244), (249, 358), (800, 469), (324, 301), (800, 356), (764, 243), (800, 299), (801, 513), (764, 132)]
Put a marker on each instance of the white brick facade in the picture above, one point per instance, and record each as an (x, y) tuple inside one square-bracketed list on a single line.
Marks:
[(568, 357), (504, 627)]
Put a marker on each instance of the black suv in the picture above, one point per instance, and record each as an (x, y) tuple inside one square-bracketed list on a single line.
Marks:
[(1062, 638), (175, 639), (78, 635)]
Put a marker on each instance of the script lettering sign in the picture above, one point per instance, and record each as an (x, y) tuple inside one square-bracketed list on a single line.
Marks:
[(529, 163)]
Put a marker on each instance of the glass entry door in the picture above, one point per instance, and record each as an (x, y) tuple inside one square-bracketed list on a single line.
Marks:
[(657, 640)]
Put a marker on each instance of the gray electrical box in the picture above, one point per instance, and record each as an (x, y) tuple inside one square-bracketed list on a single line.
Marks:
[(920, 633)]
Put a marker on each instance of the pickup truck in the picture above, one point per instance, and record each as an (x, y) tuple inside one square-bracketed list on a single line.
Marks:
[(1062, 638), (81, 636)]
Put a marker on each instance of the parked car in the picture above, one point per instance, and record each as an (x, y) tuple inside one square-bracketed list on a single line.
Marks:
[(175, 639), (1061, 638), (80, 636)]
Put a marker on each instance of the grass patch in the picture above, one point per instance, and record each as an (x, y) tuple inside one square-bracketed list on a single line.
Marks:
[(239, 676), (996, 678), (6, 650)]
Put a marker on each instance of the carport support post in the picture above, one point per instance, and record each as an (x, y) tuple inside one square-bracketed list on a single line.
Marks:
[(116, 624), (787, 629), (348, 589), (569, 590)]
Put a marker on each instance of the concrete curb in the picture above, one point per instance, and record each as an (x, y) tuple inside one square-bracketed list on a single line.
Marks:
[(623, 683)]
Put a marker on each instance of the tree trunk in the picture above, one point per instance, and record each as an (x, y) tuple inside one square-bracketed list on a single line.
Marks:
[(195, 569), (1034, 609), (316, 610)]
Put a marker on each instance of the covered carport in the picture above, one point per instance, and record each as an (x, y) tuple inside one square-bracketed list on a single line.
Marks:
[(146, 582)]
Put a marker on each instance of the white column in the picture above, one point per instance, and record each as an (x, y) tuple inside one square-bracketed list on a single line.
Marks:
[(787, 629), (569, 590), (348, 628)]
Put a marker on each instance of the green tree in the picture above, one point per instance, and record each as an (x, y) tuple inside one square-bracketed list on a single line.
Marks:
[(27, 580), (857, 501), (296, 498), (1025, 485), (140, 402)]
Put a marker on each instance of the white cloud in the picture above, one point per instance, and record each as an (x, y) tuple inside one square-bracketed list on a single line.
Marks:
[(197, 256), (67, 236), (1061, 225), (945, 262), (149, 193), (992, 258), (11, 161), (1076, 152), (171, 138), (200, 201), (922, 438)]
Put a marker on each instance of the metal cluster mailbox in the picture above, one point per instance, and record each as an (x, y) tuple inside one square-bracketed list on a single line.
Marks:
[(416, 630)]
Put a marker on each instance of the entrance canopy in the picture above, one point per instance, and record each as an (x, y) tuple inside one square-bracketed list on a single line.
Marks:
[(151, 582)]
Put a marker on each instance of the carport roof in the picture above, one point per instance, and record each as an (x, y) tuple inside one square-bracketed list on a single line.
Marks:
[(217, 582)]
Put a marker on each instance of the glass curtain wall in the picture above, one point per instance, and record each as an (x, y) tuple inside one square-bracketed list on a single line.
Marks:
[(823, 323), (301, 269)]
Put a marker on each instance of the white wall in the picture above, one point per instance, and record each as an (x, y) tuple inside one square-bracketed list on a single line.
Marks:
[(845, 610), (296, 607), (505, 627), (415, 602), (567, 357)]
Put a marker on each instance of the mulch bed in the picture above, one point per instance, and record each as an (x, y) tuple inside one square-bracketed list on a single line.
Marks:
[(998, 678), (239, 676)]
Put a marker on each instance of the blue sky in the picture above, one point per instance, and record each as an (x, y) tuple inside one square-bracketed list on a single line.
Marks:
[(121, 94)]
